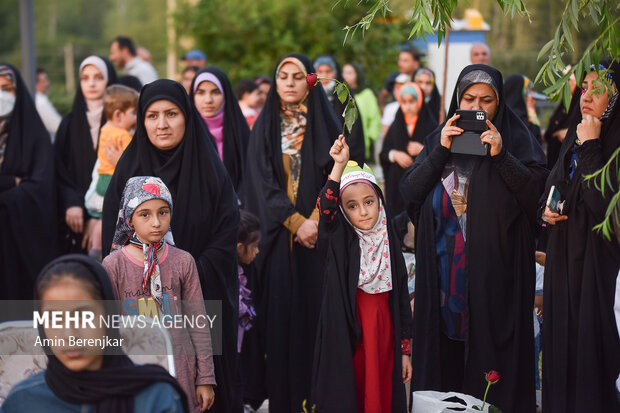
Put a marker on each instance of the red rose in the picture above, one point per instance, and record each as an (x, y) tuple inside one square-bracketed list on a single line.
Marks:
[(311, 80), (492, 377)]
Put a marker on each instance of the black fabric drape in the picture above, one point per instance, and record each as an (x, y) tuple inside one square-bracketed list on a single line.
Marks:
[(205, 219), (513, 93), (290, 275), (339, 331), (397, 138), (111, 388), (501, 221), (434, 105), (75, 159), (236, 130), (560, 119), (252, 365), (581, 348), (27, 209)]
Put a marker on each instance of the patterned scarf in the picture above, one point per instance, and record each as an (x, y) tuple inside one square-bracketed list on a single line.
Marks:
[(375, 261), (612, 91), (293, 120), (151, 275)]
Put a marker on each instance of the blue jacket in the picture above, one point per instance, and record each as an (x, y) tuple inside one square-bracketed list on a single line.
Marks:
[(34, 395)]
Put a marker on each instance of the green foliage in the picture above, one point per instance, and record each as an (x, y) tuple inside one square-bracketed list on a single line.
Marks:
[(429, 16), (604, 14), (248, 37), (606, 180)]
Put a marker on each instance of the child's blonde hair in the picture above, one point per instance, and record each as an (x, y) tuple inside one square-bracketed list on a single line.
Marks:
[(119, 97)]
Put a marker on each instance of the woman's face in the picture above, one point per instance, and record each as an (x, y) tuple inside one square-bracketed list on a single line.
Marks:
[(361, 205), (164, 122), (409, 105), (208, 98), (68, 294), (480, 96), (425, 82), (92, 83), (7, 86), (349, 75), (325, 71), (591, 103), (291, 83)]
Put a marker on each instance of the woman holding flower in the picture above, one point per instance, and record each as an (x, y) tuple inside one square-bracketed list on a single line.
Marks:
[(288, 165)]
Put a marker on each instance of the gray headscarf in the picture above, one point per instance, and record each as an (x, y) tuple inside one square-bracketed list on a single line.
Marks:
[(471, 78)]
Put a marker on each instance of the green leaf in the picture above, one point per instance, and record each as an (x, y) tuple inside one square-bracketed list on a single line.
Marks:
[(574, 10), (545, 49), (342, 92), (568, 35), (493, 409), (566, 96), (476, 407), (350, 115)]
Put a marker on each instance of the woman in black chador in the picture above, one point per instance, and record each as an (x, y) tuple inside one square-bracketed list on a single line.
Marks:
[(581, 348), (27, 189), (75, 148), (286, 168), (475, 219), (172, 142)]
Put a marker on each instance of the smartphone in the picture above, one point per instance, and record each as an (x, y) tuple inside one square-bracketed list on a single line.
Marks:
[(554, 201), (473, 122)]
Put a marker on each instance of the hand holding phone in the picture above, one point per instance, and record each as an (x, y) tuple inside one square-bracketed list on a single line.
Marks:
[(554, 207), (472, 123)]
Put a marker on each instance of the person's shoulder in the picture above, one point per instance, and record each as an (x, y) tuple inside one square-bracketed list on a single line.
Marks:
[(32, 394), (179, 255), (159, 397), (29, 383), (113, 259)]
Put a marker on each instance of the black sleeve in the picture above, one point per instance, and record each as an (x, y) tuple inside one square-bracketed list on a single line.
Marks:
[(513, 172), (68, 194), (327, 202), (6, 182), (402, 295), (591, 159), (421, 177), (526, 182)]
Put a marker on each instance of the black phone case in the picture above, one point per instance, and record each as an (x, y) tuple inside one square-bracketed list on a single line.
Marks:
[(468, 143)]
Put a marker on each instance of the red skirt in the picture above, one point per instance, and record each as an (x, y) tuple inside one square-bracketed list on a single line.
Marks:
[(374, 357)]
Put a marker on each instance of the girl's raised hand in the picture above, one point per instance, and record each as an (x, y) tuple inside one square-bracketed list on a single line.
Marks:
[(340, 151)]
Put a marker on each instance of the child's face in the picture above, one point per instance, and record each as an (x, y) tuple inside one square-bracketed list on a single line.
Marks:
[(409, 105), (247, 253), (361, 205), (127, 119), (151, 220), (72, 295)]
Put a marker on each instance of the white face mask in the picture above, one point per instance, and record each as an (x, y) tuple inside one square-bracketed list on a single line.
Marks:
[(7, 103)]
